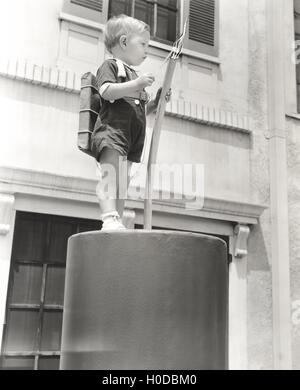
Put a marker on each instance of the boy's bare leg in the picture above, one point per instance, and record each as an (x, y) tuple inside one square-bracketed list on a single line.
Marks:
[(121, 202), (108, 201)]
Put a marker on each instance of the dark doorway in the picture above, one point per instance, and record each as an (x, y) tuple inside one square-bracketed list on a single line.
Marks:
[(32, 330)]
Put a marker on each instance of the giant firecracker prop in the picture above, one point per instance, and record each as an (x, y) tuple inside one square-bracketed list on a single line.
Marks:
[(143, 299)]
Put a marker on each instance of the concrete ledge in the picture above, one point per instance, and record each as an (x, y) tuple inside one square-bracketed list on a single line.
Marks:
[(21, 181)]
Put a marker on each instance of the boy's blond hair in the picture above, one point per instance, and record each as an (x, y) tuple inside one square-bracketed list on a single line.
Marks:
[(122, 25)]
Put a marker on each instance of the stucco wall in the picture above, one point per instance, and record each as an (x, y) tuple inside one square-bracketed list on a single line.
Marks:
[(293, 151), (29, 30), (259, 261), (43, 137)]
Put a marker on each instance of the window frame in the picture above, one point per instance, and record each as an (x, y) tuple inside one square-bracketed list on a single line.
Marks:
[(297, 66), (48, 221), (154, 37)]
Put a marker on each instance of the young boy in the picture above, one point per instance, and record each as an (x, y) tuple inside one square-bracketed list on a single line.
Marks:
[(119, 132)]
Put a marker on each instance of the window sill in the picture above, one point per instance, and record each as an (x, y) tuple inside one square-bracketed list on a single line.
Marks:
[(81, 21), (187, 52), (293, 115), (158, 45)]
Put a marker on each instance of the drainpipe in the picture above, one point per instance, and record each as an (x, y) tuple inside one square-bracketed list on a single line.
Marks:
[(282, 349)]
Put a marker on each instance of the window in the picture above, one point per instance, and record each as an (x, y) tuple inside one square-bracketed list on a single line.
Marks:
[(163, 17), (32, 333), (297, 39)]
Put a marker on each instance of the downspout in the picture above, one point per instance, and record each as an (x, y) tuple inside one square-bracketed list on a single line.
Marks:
[(282, 347)]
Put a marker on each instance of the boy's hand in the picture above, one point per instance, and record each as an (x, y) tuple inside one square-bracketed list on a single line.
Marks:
[(152, 105), (145, 80), (168, 96)]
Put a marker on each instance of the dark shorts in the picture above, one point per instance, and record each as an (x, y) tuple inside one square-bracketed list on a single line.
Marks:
[(120, 126)]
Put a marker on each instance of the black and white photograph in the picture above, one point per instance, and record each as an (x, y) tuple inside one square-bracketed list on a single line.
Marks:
[(149, 188)]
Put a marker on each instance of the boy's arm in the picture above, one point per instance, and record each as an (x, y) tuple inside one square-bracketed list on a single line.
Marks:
[(116, 91)]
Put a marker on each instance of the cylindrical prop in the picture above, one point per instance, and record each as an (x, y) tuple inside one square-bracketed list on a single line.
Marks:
[(138, 299)]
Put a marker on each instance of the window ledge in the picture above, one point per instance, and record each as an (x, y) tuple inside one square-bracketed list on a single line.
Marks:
[(36, 183), (100, 27), (293, 115), (81, 21), (187, 52)]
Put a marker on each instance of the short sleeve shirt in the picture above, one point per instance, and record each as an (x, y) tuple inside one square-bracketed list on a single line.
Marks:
[(113, 72)]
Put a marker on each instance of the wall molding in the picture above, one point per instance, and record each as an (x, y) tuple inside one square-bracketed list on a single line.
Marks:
[(69, 81), (241, 242), (29, 182), (7, 202), (293, 115), (27, 71), (81, 21)]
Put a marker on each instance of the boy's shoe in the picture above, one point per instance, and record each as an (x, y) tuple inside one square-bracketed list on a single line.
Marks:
[(112, 221)]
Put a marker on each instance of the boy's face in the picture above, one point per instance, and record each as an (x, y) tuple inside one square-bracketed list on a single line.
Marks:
[(136, 48)]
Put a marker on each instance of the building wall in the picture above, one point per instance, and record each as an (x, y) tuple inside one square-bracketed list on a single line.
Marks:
[(30, 30), (47, 119)]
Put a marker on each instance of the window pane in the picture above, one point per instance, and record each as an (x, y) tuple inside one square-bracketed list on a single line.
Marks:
[(171, 4), (297, 6), (166, 24), (145, 11), (22, 330), (60, 232), (18, 363), (51, 332), (117, 7), (55, 285), (49, 363), (29, 240), (298, 92), (27, 283)]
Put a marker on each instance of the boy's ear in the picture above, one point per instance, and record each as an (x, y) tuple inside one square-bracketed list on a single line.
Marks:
[(123, 41)]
